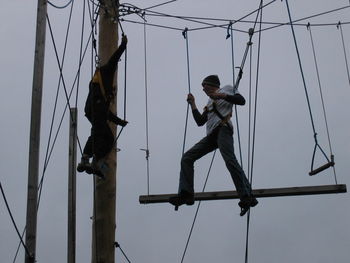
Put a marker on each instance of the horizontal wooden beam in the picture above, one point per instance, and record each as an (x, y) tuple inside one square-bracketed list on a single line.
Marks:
[(259, 193)]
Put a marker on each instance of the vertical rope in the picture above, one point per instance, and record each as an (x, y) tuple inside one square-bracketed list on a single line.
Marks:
[(254, 125), (306, 92), (125, 90), (95, 59), (185, 35), (21, 242), (230, 35), (146, 104), (300, 66), (344, 50), (249, 149), (321, 95), (197, 210)]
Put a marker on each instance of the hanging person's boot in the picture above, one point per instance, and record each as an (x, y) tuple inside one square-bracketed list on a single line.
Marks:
[(99, 168), (84, 165)]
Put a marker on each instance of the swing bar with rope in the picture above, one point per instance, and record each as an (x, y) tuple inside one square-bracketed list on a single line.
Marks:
[(259, 193)]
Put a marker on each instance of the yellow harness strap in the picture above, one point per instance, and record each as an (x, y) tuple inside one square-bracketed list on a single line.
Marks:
[(98, 79)]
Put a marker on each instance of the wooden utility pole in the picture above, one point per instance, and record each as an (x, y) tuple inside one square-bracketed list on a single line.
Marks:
[(72, 160), (104, 223), (34, 140)]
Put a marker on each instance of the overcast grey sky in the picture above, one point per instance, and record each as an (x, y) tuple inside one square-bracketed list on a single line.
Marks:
[(283, 229)]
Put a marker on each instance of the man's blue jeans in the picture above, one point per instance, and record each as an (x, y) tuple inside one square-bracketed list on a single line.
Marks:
[(220, 138)]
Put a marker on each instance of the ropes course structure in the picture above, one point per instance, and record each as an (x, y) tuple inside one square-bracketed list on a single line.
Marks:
[(131, 16)]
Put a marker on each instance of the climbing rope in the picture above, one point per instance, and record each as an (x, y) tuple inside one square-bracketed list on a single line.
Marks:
[(185, 35), (252, 146), (61, 7), (317, 146), (48, 151), (339, 26), (230, 35), (117, 245), (13, 221), (322, 99), (147, 152), (125, 90), (197, 210)]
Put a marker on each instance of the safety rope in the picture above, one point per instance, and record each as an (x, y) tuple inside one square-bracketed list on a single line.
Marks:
[(317, 146), (147, 152), (165, 3), (339, 26), (125, 81), (48, 152), (230, 35), (61, 70), (185, 35), (252, 146), (295, 22), (60, 7), (94, 59), (322, 99), (13, 221), (125, 90), (224, 26), (117, 245), (196, 213)]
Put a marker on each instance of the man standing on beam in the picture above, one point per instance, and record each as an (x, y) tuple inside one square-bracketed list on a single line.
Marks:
[(216, 116)]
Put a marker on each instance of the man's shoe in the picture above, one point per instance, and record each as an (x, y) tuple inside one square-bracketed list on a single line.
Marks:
[(99, 168), (246, 203), (181, 199)]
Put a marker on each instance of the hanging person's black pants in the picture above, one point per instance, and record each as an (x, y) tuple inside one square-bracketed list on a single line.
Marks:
[(100, 142)]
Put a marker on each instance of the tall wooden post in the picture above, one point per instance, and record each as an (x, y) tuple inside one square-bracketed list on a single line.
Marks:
[(34, 140), (72, 160), (104, 223)]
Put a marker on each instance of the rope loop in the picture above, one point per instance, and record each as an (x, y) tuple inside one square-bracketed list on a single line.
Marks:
[(184, 33), (339, 25), (229, 28)]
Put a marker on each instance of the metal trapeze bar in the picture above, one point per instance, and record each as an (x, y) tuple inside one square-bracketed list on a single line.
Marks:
[(259, 193)]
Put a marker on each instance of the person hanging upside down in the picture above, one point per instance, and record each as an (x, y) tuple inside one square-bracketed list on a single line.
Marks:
[(219, 128), (101, 139)]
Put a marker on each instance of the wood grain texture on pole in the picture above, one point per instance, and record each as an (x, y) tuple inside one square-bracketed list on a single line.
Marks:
[(104, 223), (72, 160), (34, 137)]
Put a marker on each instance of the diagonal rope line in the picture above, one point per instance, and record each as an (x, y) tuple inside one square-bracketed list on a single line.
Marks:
[(46, 163), (254, 130), (13, 221), (230, 35), (305, 89), (197, 210), (121, 250), (60, 7), (339, 26), (125, 90), (146, 105), (308, 17), (165, 3), (322, 99), (46, 160), (185, 35)]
